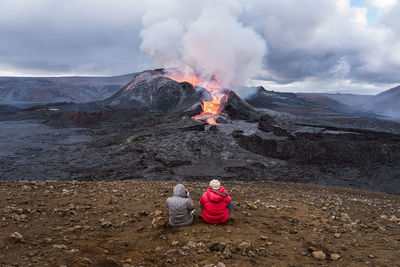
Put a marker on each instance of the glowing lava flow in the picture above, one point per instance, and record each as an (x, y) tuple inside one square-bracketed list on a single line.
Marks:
[(212, 108)]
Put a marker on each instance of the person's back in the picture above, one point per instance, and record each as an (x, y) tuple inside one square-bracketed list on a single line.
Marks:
[(216, 204), (180, 206)]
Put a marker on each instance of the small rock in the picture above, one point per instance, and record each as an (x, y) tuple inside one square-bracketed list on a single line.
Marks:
[(337, 235), (371, 256), (220, 264), (71, 206), (217, 246), (159, 222), (105, 223), (262, 251), (319, 255), (192, 245), (26, 188), (335, 256), (315, 223), (59, 246), (227, 253), (383, 217), (252, 205), (263, 237), (250, 253), (375, 225), (157, 213), (246, 249), (16, 235), (393, 218), (16, 217), (175, 242), (293, 231)]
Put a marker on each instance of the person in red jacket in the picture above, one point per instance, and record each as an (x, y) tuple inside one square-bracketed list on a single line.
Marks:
[(216, 204)]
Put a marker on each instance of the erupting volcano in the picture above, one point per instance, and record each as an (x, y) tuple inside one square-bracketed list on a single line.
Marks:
[(202, 51)]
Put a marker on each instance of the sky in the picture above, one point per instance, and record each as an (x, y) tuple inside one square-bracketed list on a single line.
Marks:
[(333, 46)]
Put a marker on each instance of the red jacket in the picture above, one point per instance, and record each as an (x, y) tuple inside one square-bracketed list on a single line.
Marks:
[(215, 203)]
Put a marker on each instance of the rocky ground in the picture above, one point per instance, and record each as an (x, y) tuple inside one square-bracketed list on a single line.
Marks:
[(122, 223), (145, 131), (124, 145)]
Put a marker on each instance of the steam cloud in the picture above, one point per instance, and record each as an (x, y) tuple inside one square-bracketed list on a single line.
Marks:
[(203, 37)]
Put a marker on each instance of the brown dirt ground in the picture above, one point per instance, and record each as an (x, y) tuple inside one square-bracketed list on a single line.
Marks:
[(273, 224)]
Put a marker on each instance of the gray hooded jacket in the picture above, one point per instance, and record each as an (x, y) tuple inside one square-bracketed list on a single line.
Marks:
[(180, 206)]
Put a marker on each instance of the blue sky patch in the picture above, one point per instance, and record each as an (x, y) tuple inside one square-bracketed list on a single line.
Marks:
[(372, 13)]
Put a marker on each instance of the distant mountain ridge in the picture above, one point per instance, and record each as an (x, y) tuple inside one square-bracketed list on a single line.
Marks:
[(312, 104), (386, 103), (116, 91), (60, 89)]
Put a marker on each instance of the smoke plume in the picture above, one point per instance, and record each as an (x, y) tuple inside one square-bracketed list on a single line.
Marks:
[(204, 38)]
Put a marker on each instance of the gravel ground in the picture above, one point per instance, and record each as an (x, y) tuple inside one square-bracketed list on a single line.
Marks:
[(122, 223)]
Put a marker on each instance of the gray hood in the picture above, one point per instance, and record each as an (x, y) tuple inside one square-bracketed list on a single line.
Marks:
[(180, 206), (179, 190)]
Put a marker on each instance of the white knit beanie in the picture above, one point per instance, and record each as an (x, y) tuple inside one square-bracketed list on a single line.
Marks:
[(215, 184)]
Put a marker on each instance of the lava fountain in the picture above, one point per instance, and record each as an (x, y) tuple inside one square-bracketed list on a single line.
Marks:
[(211, 109)]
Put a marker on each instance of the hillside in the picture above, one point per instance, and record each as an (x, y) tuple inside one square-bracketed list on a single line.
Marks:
[(308, 104), (385, 103), (7, 109), (152, 92), (122, 224), (60, 89)]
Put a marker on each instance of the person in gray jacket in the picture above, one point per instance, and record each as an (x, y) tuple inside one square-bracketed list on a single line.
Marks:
[(180, 207)]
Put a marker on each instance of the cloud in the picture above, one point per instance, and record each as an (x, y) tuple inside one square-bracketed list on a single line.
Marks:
[(383, 3), (206, 39), (319, 44), (71, 37), (308, 40)]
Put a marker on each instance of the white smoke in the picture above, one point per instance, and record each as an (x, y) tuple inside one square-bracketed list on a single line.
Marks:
[(203, 37)]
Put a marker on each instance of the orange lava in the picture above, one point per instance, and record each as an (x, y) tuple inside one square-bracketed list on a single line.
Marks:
[(211, 107), (215, 105)]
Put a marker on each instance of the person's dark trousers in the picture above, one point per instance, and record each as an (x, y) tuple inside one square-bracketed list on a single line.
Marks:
[(230, 206)]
